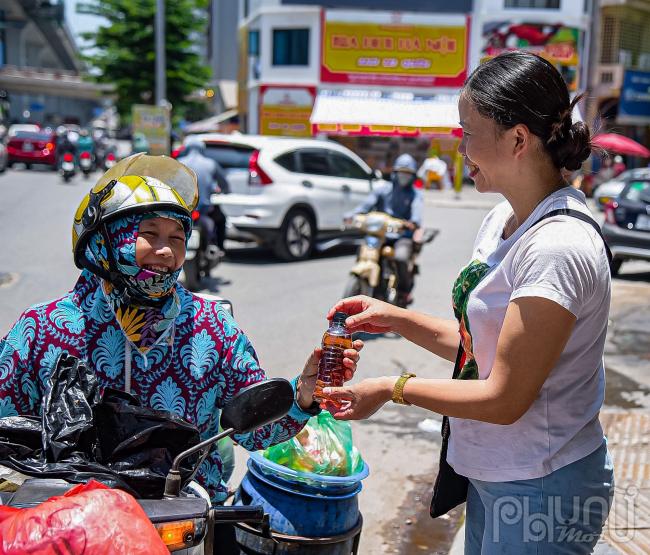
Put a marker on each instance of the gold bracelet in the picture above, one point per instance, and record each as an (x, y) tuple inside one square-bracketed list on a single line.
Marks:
[(398, 388)]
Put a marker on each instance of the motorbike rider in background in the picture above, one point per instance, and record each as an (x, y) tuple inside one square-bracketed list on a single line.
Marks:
[(212, 179), (400, 199)]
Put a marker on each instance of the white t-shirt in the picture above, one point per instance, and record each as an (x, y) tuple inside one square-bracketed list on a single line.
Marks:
[(562, 259)]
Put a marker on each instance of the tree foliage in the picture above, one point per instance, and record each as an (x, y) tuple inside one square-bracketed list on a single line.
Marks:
[(122, 51)]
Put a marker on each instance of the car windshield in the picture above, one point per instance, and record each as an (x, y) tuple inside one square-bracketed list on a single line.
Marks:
[(637, 191), (230, 156), (33, 136)]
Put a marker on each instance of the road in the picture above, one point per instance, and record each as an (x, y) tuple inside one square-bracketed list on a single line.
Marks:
[(282, 308)]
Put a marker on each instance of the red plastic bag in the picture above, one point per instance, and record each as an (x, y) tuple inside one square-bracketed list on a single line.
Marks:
[(90, 519)]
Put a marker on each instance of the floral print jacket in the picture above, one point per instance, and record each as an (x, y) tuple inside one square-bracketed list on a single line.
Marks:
[(203, 363)]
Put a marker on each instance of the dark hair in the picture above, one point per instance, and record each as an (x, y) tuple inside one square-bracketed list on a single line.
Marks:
[(519, 87)]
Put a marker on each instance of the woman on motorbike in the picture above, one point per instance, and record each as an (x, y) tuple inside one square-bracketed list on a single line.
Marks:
[(532, 309), (141, 331)]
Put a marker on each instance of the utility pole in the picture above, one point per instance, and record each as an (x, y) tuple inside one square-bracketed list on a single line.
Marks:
[(161, 78)]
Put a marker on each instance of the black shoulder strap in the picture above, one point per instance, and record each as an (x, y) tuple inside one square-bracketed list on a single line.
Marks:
[(580, 216)]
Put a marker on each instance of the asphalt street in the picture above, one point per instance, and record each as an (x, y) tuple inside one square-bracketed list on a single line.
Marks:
[(282, 308)]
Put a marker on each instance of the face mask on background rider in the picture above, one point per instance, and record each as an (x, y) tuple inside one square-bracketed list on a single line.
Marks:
[(404, 178)]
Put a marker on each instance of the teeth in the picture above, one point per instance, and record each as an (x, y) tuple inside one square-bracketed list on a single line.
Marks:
[(156, 268)]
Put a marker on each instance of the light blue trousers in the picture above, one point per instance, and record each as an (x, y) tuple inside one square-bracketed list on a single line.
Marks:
[(562, 513)]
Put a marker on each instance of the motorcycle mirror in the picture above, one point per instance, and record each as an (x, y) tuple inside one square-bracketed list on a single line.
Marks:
[(257, 405)]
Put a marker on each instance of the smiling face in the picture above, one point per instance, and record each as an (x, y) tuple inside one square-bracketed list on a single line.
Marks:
[(160, 246), (485, 147)]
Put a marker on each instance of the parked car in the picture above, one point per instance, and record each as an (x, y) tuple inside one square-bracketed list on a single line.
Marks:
[(286, 193), (627, 223), (30, 147), (610, 190)]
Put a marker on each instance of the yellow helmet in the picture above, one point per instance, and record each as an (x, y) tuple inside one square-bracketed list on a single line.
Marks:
[(139, 183)]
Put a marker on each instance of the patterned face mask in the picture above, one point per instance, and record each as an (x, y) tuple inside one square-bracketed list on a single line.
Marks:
[(144, 326), (141, 284)]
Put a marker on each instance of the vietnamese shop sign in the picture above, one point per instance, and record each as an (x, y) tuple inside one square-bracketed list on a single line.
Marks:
[(394, 49), (560, 45), (634, 103)]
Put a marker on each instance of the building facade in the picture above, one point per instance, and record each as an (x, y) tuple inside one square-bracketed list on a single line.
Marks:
[(620, 76), (383, 80), (40, 71)]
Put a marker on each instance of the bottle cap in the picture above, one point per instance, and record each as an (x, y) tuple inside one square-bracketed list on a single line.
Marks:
[(340, 317)]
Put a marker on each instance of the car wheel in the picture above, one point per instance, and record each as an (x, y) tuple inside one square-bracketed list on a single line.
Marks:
[(297, 236), (615, 266)]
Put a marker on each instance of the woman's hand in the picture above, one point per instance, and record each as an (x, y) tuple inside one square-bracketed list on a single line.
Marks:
[(307, 380), (361, 400), (367, 314)]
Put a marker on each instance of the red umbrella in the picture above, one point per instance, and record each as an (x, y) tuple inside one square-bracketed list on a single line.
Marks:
[(620, 145)]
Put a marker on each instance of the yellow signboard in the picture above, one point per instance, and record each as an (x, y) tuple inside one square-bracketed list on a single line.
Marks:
[(286, 110), (394, 54)]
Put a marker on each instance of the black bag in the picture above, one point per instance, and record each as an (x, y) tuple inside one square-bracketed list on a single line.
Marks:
[(109, 438), (450, 488)]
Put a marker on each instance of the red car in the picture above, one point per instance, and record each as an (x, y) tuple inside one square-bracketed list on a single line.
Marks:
[(31, 147)]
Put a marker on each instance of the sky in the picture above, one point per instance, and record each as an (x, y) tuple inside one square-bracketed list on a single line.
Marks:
[(79, 23)]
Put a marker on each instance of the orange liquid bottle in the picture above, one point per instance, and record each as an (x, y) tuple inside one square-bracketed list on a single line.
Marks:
[(331, 372)]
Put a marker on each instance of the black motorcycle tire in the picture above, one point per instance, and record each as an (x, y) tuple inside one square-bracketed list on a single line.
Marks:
[(357, 286), (66, 178), (192, 271)]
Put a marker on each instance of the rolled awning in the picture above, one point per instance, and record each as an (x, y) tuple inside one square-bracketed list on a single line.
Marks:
[(363, 112)]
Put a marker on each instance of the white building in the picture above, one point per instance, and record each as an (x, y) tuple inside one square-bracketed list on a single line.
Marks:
[(355, 68)]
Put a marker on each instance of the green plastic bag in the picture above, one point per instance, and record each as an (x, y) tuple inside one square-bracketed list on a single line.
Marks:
[(324, 446)]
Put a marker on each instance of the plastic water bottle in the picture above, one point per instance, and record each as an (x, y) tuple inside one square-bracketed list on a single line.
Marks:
[(336, 340)]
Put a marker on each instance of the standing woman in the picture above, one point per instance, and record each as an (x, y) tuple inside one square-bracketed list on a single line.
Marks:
[(532, 309)]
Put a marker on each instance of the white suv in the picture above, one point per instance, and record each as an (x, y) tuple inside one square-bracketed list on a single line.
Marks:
[(289, 194)]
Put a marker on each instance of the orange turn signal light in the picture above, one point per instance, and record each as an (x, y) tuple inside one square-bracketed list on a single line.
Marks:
[(177, 535)]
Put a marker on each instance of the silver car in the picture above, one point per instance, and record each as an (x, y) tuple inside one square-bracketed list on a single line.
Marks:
[(608, 191)]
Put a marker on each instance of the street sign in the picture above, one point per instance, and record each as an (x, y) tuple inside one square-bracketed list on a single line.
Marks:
[(634, 103)]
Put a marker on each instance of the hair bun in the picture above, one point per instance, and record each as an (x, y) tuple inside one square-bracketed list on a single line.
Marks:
[(569, 143)]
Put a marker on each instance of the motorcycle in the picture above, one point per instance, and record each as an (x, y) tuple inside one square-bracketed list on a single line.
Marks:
[(109, 160), (68, 168), (86, 163), (375, 271), (201, 256), (184, 518)]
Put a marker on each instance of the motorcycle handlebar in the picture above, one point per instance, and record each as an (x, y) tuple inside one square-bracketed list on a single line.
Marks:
[(237, 513)]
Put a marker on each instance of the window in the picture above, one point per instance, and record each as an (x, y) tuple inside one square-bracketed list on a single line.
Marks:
[(540, 4), (287, 161), (229, 156), (637, 191), (253, 43), (344, 166), (290, 47), (315, 162)]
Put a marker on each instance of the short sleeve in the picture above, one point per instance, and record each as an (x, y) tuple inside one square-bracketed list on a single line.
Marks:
[(558, 261)]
